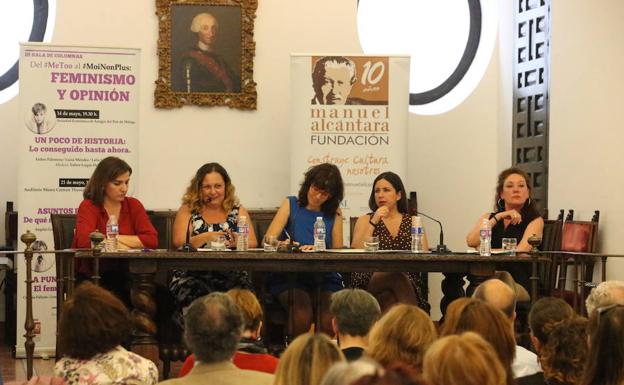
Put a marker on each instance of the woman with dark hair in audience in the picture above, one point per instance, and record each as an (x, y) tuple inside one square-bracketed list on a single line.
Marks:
[(403, 334), (306, 360), (464, 359), (605, 361), (209, 209), (104, 196), (544, 315), (389, 220), (469, 314), (250, 354), (320, 195), (515, 215), (92, 327)]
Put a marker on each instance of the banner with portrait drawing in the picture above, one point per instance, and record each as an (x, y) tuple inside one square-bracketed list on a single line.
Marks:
[(78, 105), (350, 110)]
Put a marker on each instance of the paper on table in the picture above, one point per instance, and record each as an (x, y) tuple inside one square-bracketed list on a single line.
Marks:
[(203, 249), (493, 251)]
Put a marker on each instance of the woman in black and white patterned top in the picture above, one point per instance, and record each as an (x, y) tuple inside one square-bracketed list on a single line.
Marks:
[(211, 206), (391, 222)]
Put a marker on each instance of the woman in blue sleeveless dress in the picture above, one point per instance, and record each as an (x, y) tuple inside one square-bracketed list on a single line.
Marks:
[(320, 195)]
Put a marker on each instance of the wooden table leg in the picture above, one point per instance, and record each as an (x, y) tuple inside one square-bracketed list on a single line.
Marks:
[(452, 288), (142, 296)]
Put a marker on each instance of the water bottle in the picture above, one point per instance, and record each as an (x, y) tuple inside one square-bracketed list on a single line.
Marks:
[(112, 231), (485, 236), (242, 243), (319, 234), (417, 234)]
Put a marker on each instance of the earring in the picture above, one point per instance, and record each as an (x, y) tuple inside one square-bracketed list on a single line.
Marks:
[(528, 202), (501, 203)]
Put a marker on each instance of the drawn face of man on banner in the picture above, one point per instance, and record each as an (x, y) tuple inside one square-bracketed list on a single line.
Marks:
[(332, 80)]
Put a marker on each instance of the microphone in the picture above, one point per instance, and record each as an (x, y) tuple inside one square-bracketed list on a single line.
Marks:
[(441, 247)]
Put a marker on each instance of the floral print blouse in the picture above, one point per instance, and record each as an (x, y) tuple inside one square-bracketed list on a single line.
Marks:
[(115, 367)]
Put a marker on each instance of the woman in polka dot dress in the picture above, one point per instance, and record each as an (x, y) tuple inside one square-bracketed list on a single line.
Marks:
[(390, 221)]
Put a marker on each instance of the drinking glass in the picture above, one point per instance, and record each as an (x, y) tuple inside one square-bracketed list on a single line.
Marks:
[(371, 244), (218, 244), (270, 243), (509, 245)]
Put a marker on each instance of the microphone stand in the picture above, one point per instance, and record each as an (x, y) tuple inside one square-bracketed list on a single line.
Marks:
[(187, 247), (441, 247)]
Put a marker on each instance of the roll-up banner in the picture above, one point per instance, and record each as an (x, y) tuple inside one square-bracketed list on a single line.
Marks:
[(352, 111), (78, 105)]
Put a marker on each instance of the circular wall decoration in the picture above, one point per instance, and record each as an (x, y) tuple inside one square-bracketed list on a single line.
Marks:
[(450, 43), (21, 21)]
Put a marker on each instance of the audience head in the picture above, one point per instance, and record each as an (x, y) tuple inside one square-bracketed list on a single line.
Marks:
[(562, 357), (463, 359), (544, 315), (106, 172), (498, 294), (397, 373), (355, 311), (306, 360), (397, 184), (604, 294), (605, 361), (211, 183), (322, 183), (213, 325), (344, 373), (250, 308), (514, 173), (403, 334), (92, 321), (469, 314)]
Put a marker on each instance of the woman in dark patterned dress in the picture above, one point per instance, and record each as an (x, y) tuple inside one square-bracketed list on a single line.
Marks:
[(389, 220), (211, 202)]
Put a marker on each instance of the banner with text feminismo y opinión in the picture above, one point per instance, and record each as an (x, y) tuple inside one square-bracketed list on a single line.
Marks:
[(78, 105), (352, 111)]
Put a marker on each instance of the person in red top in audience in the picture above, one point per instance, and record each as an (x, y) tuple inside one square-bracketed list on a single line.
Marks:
[(105, 195), (250, 354)]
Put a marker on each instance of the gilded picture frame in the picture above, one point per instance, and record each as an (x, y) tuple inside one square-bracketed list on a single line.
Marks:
[(205, 53)]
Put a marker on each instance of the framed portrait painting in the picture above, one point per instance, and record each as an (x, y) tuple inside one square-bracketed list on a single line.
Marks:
[(205, 53)]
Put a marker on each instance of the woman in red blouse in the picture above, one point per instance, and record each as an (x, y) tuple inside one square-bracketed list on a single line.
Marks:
[(105, 195)]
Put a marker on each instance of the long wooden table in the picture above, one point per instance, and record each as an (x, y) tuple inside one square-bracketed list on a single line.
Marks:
[(144, 266)]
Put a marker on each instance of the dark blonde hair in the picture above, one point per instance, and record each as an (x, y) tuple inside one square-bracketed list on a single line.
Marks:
[(192, 197), (403, 334), (249, 305), (106, 171), (306, 360), (469, 314), (464, 359), (92, 321)]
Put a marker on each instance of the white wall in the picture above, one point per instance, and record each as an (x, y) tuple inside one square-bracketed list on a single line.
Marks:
[(587, 117)]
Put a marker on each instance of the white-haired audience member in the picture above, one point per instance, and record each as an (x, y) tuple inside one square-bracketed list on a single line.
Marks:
[(498, 294), (607, 293), (354, 312)]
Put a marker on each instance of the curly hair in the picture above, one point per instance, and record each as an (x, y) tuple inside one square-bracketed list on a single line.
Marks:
[(606, 293), (563, 355), (326, 177), (545, 314), (192, 196), (404, 334)]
